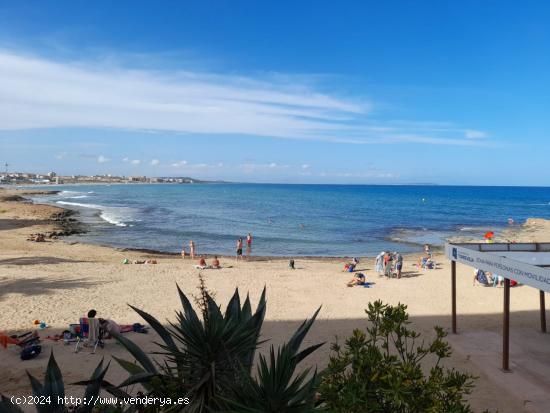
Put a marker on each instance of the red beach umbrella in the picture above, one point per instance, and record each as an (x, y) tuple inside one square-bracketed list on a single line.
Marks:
[(489, 234)]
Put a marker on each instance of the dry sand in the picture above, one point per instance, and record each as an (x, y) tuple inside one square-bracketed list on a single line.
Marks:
[(58, 282)]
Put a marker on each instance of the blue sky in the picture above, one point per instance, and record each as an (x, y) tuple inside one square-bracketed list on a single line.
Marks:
[(311, 92)]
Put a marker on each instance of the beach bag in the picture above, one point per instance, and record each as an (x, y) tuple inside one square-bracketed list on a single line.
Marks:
[(31, 352), (481, 277), (139, 328)]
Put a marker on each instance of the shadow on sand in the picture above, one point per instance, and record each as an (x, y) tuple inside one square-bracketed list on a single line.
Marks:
[(36, 261), (39, 286)]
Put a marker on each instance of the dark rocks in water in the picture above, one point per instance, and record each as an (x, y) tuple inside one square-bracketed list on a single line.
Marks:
[(66, 224)]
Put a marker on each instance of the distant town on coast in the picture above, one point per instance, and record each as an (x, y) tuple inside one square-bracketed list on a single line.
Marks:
[(28, 178)]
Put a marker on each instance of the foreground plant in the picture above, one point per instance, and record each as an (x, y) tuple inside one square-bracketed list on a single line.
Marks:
[(383, 370), (49, 397), (209, 360)]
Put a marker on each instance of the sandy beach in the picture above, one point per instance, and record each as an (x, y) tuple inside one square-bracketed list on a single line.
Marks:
[(58, 282)]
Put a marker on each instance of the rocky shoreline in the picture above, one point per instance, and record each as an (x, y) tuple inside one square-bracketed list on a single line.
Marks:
[(62, 221)]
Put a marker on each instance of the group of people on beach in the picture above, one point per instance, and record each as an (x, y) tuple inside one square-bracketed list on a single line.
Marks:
[(389, 264), (215, 262)]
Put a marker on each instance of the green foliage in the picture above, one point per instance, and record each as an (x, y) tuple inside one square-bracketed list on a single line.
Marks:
[(386, 370), (209, 360), (276, 388), (51, 393)]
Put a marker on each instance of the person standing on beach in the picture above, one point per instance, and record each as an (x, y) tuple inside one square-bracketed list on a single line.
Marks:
[(248, 244), (387, 264), (240, 248), (192, 249), (379, 263), (398, 264), (427, 250), (183, 252)]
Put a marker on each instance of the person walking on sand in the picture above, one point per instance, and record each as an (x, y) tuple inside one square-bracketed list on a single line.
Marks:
[(240, 248), (192, 249), (248, 244), (183, 252)]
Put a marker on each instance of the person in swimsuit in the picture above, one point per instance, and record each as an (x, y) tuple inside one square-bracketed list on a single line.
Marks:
[(192, 249), (216, 263), (202, 264), (240, 248), (248, 244), (358, 279)]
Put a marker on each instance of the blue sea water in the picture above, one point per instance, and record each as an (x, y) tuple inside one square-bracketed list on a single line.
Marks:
[(294, 220)]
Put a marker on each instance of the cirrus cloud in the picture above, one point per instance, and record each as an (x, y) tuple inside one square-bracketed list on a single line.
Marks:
[(37, 92)]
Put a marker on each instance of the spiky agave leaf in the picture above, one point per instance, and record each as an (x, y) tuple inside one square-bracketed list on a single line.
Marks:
[(276, 388), (6, 406), (93, 387), (137, 352), (53, 388), (214, 352), (202, 357)]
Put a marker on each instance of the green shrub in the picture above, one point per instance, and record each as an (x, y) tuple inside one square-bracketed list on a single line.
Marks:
[(50, 395), (387, 370)]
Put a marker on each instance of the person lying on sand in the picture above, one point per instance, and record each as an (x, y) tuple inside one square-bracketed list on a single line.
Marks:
[(36, 238), (145, 261), (482, 278), (358, 279), (109, 327)]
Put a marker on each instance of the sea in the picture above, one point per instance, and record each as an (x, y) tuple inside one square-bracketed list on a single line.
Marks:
[(294, 220)]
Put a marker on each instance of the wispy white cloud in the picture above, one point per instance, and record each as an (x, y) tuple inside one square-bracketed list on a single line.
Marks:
[(270, 166), (61, 155), (40, 93), (179, 164), (474, 134), (155, 162), (102, 159), (135, 161)]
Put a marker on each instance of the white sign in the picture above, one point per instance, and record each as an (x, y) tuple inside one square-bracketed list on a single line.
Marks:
[(527, 274)]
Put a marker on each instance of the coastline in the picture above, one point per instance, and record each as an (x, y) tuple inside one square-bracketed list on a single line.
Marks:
[(58, 281)]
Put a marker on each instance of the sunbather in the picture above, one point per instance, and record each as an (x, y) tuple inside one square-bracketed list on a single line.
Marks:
[(202, 264), (216, 263), (349, 267), (358, 279), (480, 277), (109, 327)]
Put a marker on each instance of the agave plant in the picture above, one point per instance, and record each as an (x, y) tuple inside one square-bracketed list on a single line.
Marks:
[(209, 360), (276, 388), (50, 395)]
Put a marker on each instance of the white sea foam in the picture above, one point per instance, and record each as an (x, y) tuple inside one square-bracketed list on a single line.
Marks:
[(113, 215)]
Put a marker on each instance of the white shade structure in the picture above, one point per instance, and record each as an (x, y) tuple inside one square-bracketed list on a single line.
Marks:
[(526, 263)]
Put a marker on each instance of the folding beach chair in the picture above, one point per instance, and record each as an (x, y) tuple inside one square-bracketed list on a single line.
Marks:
[(90, 334)]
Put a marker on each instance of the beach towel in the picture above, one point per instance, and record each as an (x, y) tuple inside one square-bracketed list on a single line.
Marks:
[(481, 277), (5, 340)]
